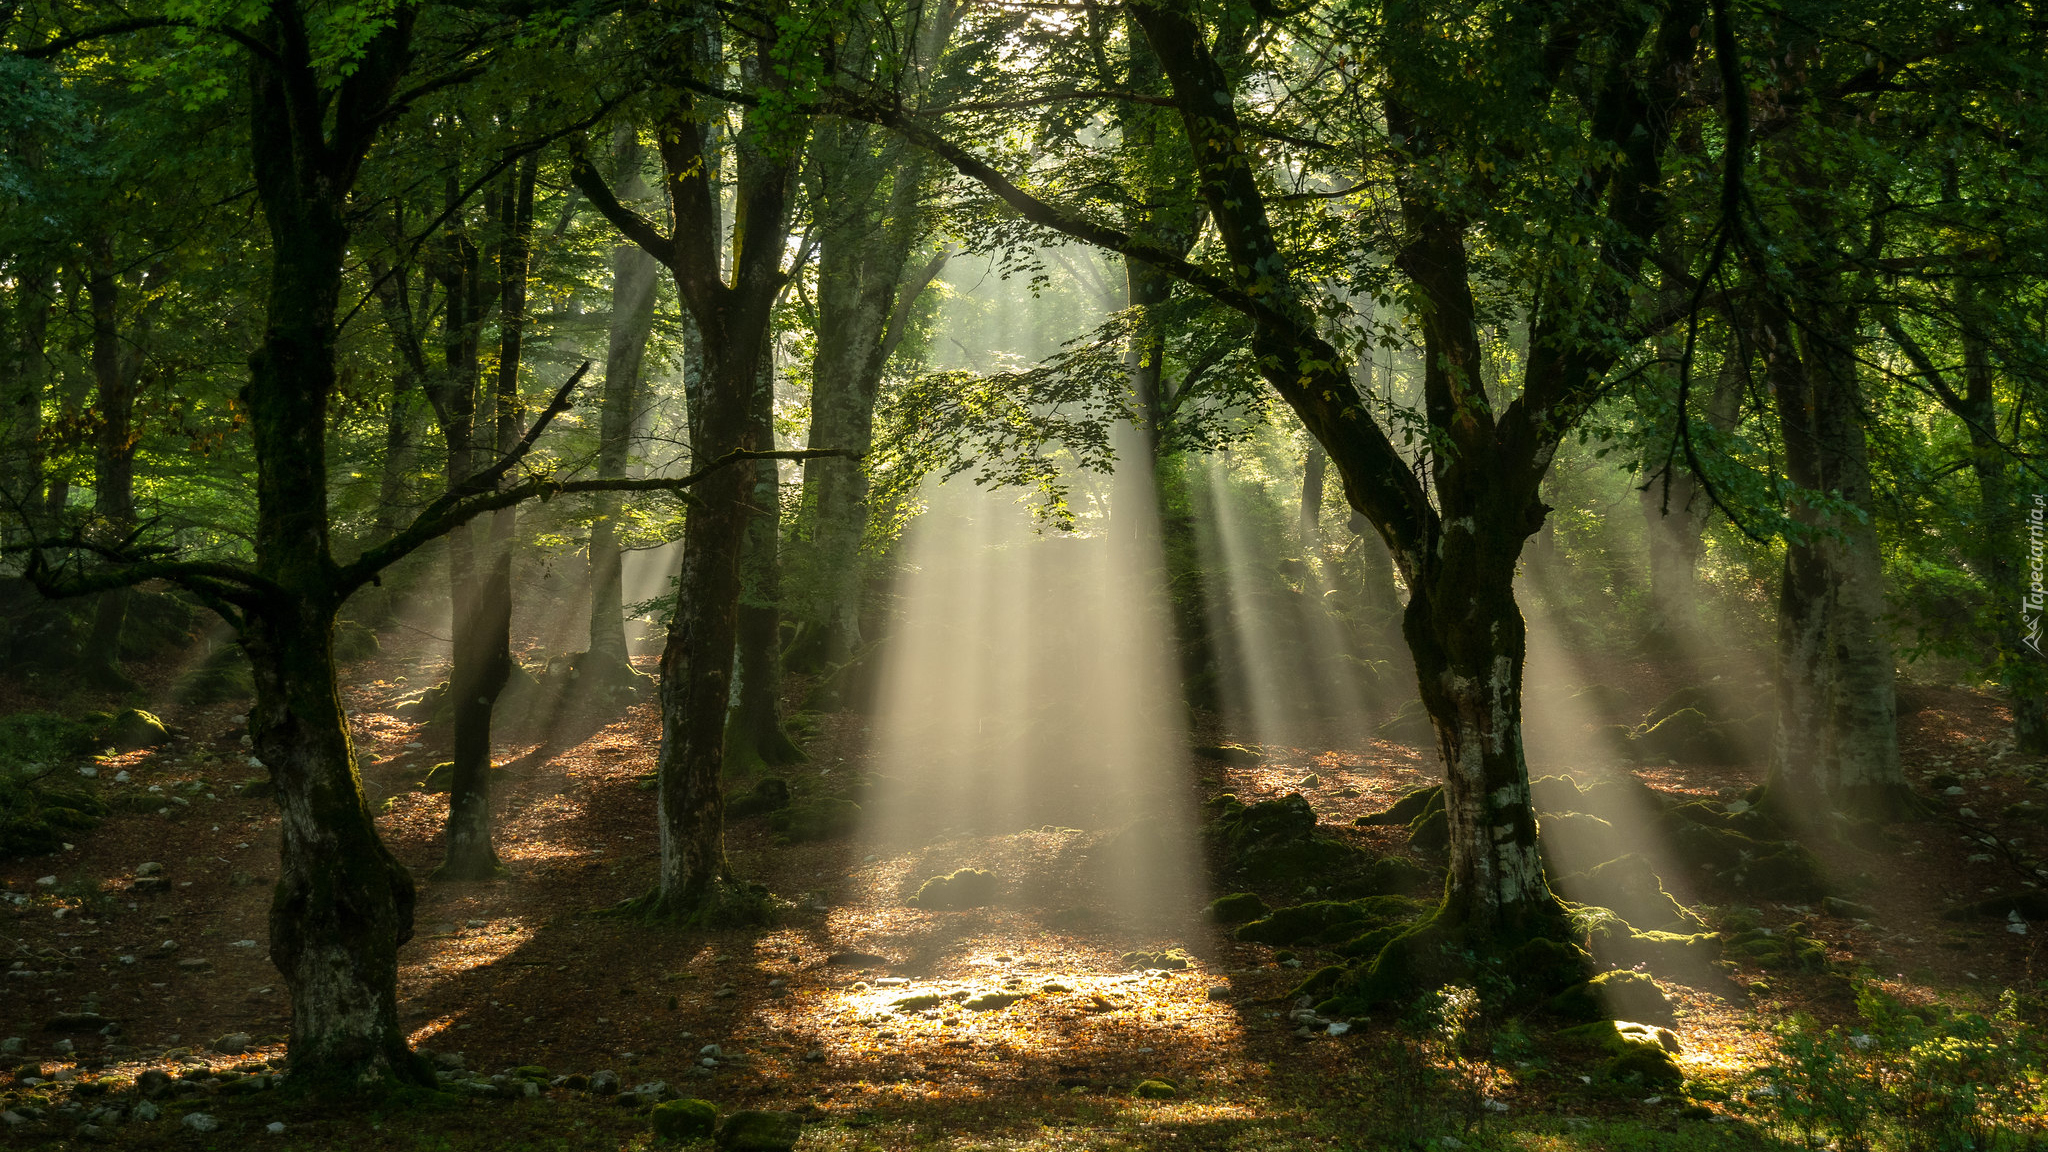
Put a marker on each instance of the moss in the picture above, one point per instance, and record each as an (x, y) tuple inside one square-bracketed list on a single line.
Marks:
[(1430, 833), (1308, 923), (760, 1132), (1369, 943), (1318, 982), (686, 1119), (133, 728), (769, 795), (1786, 949), (1289, 818), (918, 1002), (1311, 858), (821, 818), (1236, 908), (1407, 808), (1618, 995), (1172, 960), (966, 888), (1155, 1090), (1631, 1053), (1790, 872), (1541, 966)]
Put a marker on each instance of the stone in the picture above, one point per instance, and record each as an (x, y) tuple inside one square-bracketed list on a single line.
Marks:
[(275, 1127), (153, 1082), (1847, 909), (752, 1131), (990, 1001), (686, 1119), (966, 888), (232, 1044), (200, 1121), (134, 728), (149, 868), (144, 1112), (604, 1082), (1155, 1090)]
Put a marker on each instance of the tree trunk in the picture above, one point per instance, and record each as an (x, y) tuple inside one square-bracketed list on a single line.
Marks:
[(1837, 740), (1312, 469), (342, 904), (21, 397), (754, 736), (632, 319), (113, 458)]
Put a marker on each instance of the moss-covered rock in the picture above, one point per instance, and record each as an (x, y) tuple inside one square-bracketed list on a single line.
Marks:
[(1632, 1053), (966, 888), (1155, 1090), (354, 642), (820, 818), (133, 728), (1788, 948), (1618, 995), (1236, 908), (1788, 871), (752, 1131), (1287, 819), (687, 1119), (1309, 923), (1171, 960), (1311, 858)]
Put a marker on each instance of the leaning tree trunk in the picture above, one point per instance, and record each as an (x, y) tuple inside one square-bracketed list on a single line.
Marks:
[(342, 905)]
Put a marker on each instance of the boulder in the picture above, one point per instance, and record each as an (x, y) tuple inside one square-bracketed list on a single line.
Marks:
[(1618, 995), (1636, 1054), (966, 888), (1236, 908), (134, 728), (686, 1119), (752, 1131)]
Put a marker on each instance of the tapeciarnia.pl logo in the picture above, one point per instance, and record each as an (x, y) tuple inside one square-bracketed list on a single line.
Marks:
[(2037, 595)]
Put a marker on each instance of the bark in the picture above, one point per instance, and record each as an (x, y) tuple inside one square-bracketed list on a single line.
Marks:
[(754, 735), (1312, 469), (1836, 742), (22, 387), (113, 455), (867, 289), (632, 319), (732, 318), (342, 905)]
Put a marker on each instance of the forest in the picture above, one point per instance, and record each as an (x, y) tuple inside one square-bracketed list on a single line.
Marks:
[(1042, 575)]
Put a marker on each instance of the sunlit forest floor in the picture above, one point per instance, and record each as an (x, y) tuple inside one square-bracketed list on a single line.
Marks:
[(1040, 1023)]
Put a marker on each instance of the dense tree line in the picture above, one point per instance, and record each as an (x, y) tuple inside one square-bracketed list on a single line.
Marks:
[(291, 297)]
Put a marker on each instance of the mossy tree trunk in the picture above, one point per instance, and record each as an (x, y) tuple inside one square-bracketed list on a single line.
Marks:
[(343, 905), (113, 461), (732, 319)]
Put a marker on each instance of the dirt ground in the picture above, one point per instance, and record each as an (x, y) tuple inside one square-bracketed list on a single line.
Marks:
[(524, 972)]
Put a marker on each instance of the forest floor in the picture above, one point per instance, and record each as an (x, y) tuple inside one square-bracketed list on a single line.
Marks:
[(521, 973)]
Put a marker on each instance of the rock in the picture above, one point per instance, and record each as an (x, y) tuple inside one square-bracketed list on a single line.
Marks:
[(153, 1082), (200, 1121), (604, 1082), (990, 1001), (966, 888), (1236, 908), (1171, 960), (1847, 909), (275, 1127), (685, 1119), (1620, 995), (1220, 994), (1636, 1054), (752, 1131), (146, 1111), (134, 729), (1155, 1090), (195, 964), (232, 1044), (149, 868)]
